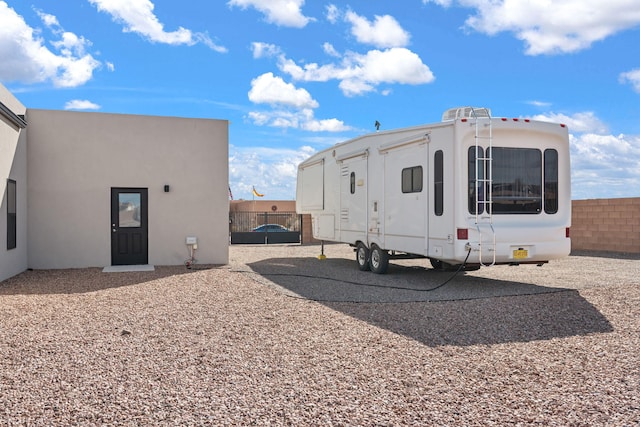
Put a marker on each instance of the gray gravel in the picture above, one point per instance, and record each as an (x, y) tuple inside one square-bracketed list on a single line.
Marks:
[(279, 337)]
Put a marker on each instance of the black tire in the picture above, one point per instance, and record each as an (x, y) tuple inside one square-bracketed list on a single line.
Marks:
[(378, 260), (362, 257), (442, 266), (436, 263)]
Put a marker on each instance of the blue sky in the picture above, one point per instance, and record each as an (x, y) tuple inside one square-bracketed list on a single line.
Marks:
[(295, 77)]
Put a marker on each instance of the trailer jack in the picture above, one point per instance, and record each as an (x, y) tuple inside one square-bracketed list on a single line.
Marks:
[(322, 256)]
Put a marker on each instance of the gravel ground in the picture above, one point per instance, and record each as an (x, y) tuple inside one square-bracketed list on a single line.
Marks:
[(278, 337)]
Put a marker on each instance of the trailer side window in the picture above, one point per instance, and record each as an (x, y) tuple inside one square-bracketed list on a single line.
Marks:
[(438, 181), (412, 179), (352, 182), (550, 181)]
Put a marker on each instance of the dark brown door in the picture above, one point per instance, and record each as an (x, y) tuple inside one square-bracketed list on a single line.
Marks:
[(129, 229)]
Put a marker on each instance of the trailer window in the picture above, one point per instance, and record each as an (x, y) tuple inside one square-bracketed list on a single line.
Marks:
[(352, 182), (514, 184), (438, 180), (518, 182), (550, 181), (412, 179)]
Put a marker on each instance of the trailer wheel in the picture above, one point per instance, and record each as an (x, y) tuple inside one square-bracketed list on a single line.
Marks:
[(379, 260), (436, 264), (442, 266), (362, 257)]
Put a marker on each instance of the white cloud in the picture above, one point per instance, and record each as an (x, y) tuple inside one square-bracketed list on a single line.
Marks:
[(579, 122), (356, 73), (273, 171), (48, 19), (549, 27), (632, 77), (443, 3), (361, 73), (138, 17), (333, 13), (542, 104), (330, 50), (81, 104), (264, 50), (293, 107), (326, 125), (296, 119), (26, 58), (604, 165), (383, 32), (286, 13), (269, 89)]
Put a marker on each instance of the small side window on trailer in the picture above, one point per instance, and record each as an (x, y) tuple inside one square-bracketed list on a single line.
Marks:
[(352, 182), (550, 181), (438, 183), (412, 179)]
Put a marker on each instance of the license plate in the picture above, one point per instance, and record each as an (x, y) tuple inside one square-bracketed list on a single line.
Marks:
[(520, 253)]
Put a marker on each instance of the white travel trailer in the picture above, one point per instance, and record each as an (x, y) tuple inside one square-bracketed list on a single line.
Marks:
[(471, 190)]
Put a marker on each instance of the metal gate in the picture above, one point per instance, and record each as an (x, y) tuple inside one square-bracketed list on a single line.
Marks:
[(264, 227)]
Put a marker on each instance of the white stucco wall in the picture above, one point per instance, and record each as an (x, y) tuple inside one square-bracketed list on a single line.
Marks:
[(13, 165), (75, 158)]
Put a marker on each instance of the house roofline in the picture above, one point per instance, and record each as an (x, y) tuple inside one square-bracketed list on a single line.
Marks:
[(12, 117)]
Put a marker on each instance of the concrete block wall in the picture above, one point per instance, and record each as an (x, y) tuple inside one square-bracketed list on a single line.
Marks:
[(611, 225)]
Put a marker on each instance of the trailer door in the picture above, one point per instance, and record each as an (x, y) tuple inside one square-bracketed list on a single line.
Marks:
[(353, 199), (405, 199)]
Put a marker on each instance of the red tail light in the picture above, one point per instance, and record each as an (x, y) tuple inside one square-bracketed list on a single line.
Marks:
[(566, 232), (463, 234)]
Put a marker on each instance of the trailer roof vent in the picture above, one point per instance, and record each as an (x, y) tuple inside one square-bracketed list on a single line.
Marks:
[(465, 112)]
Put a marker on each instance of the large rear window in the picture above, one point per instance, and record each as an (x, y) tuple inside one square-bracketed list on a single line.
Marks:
[(510, 180)]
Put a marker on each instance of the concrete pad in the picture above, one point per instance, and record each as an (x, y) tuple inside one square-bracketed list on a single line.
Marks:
[(127, 268)]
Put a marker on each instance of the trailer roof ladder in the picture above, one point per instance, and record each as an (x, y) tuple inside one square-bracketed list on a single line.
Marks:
[(484, 184)]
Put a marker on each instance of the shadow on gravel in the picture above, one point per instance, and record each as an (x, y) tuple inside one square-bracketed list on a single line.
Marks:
[(468, 310), (82, 280), (485, 321)]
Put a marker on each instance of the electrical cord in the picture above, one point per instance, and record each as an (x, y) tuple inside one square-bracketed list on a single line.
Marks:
[(309, 276), (294, 296)]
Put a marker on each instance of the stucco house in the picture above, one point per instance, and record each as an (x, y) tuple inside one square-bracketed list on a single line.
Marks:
[(83, 189)]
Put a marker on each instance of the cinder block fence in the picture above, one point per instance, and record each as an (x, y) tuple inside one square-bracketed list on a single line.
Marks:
[(611, 225)]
